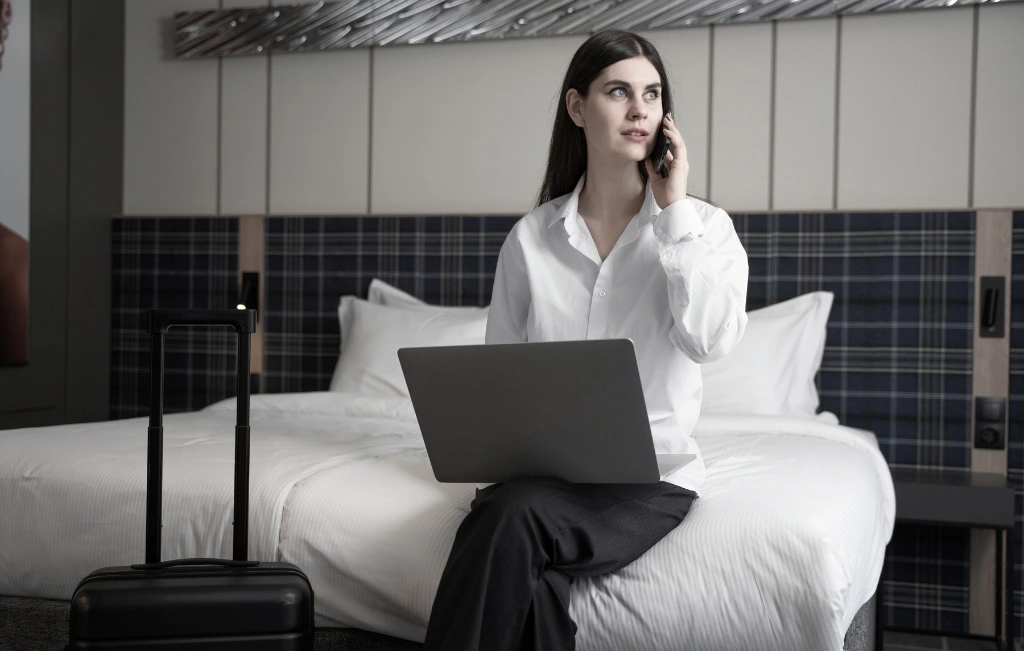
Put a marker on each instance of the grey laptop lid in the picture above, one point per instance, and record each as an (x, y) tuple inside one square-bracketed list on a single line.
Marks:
[(572, 410)]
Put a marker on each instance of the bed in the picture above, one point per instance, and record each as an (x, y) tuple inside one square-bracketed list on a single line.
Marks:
[(783, 550), (341, 486)]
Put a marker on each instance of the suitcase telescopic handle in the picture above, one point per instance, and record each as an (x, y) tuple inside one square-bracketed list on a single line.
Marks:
[(158, 321), (240, 320)]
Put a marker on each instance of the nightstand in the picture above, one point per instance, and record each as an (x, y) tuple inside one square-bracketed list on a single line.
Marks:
[(960, 498)]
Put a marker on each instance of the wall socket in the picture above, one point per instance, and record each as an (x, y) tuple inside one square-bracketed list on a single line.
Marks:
[(989, 423)]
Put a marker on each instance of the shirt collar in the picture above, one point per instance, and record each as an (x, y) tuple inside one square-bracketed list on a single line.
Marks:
[(648, 211)]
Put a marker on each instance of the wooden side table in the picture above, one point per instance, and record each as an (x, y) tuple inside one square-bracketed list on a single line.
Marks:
[(960, 498)]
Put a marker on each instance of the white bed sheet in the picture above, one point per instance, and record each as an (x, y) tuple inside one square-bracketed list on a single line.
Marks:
[(783, 547)]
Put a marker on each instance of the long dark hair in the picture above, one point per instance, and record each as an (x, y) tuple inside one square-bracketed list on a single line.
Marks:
[(567, 155)]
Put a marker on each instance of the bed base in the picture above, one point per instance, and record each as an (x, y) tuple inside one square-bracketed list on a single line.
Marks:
[(42, 625)]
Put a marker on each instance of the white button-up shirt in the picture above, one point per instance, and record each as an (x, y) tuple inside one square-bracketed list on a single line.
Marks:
[(675, 283)]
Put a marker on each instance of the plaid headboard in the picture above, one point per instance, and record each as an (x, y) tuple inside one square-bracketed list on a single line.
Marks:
[(900, 326), (312, 261), (897, 358), (1015, 434), (171, 263)]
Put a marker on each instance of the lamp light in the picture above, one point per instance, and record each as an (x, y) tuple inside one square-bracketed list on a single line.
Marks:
[(249, 293)]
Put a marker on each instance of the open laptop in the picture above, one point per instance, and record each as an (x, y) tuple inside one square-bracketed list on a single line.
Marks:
[(572, 410)]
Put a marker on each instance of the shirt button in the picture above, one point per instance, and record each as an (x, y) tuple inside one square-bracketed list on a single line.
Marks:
[(657, 231), (602, 293)]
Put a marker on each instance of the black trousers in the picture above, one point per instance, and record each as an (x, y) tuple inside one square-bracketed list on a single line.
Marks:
[(506, 584)]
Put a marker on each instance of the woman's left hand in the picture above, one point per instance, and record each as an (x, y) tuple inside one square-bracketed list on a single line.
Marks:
[(672, 188)]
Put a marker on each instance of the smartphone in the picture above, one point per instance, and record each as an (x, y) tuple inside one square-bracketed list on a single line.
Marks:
[(661, 145)]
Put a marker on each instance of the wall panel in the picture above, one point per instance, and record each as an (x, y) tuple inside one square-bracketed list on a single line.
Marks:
[(244, 92), (904, 110), (170, 116), (464, 127), (319, 132), (803, 152), (741, 78), (999, 118)]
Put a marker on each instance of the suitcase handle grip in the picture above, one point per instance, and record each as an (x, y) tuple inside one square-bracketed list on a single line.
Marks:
[(222, 562), (243, 321)]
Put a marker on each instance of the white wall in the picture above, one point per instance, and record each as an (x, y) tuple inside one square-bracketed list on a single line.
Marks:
[(855, 113), (14, 121), (998, 143)]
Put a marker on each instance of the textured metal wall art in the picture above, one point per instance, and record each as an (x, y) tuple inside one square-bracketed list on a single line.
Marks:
[(361, 23)]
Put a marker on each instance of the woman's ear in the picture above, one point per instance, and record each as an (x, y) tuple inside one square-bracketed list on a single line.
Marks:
[(574, 105)]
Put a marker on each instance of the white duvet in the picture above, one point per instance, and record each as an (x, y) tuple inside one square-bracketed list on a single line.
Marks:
[(783, 547)]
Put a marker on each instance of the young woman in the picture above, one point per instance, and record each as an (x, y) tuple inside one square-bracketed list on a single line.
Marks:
[(613, 250)]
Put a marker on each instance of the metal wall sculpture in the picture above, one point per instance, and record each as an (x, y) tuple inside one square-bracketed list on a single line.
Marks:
[(359, 23)]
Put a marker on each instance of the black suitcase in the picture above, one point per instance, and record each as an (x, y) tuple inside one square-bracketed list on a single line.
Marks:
[(195, 604)]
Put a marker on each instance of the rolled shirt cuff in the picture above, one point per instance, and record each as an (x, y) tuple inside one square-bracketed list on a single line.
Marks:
[(678, 222)]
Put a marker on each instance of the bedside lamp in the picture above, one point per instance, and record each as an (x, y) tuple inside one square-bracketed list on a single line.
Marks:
[(249, 293)]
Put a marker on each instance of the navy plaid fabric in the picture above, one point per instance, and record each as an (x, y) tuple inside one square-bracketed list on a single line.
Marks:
[(172, 263), (897, 362), (311, 262), (1015, 434), (898, 352)]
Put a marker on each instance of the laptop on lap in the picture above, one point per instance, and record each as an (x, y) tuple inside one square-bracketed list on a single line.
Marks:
[(572, 410)]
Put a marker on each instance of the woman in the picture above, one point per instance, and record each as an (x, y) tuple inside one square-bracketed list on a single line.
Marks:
[(599, 258)]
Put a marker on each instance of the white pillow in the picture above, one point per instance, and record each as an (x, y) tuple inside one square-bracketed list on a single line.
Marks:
[(771, 370), (371, 335), (382, 293)]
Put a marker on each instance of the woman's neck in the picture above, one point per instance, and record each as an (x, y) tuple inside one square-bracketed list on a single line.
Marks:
[(611, 193)]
